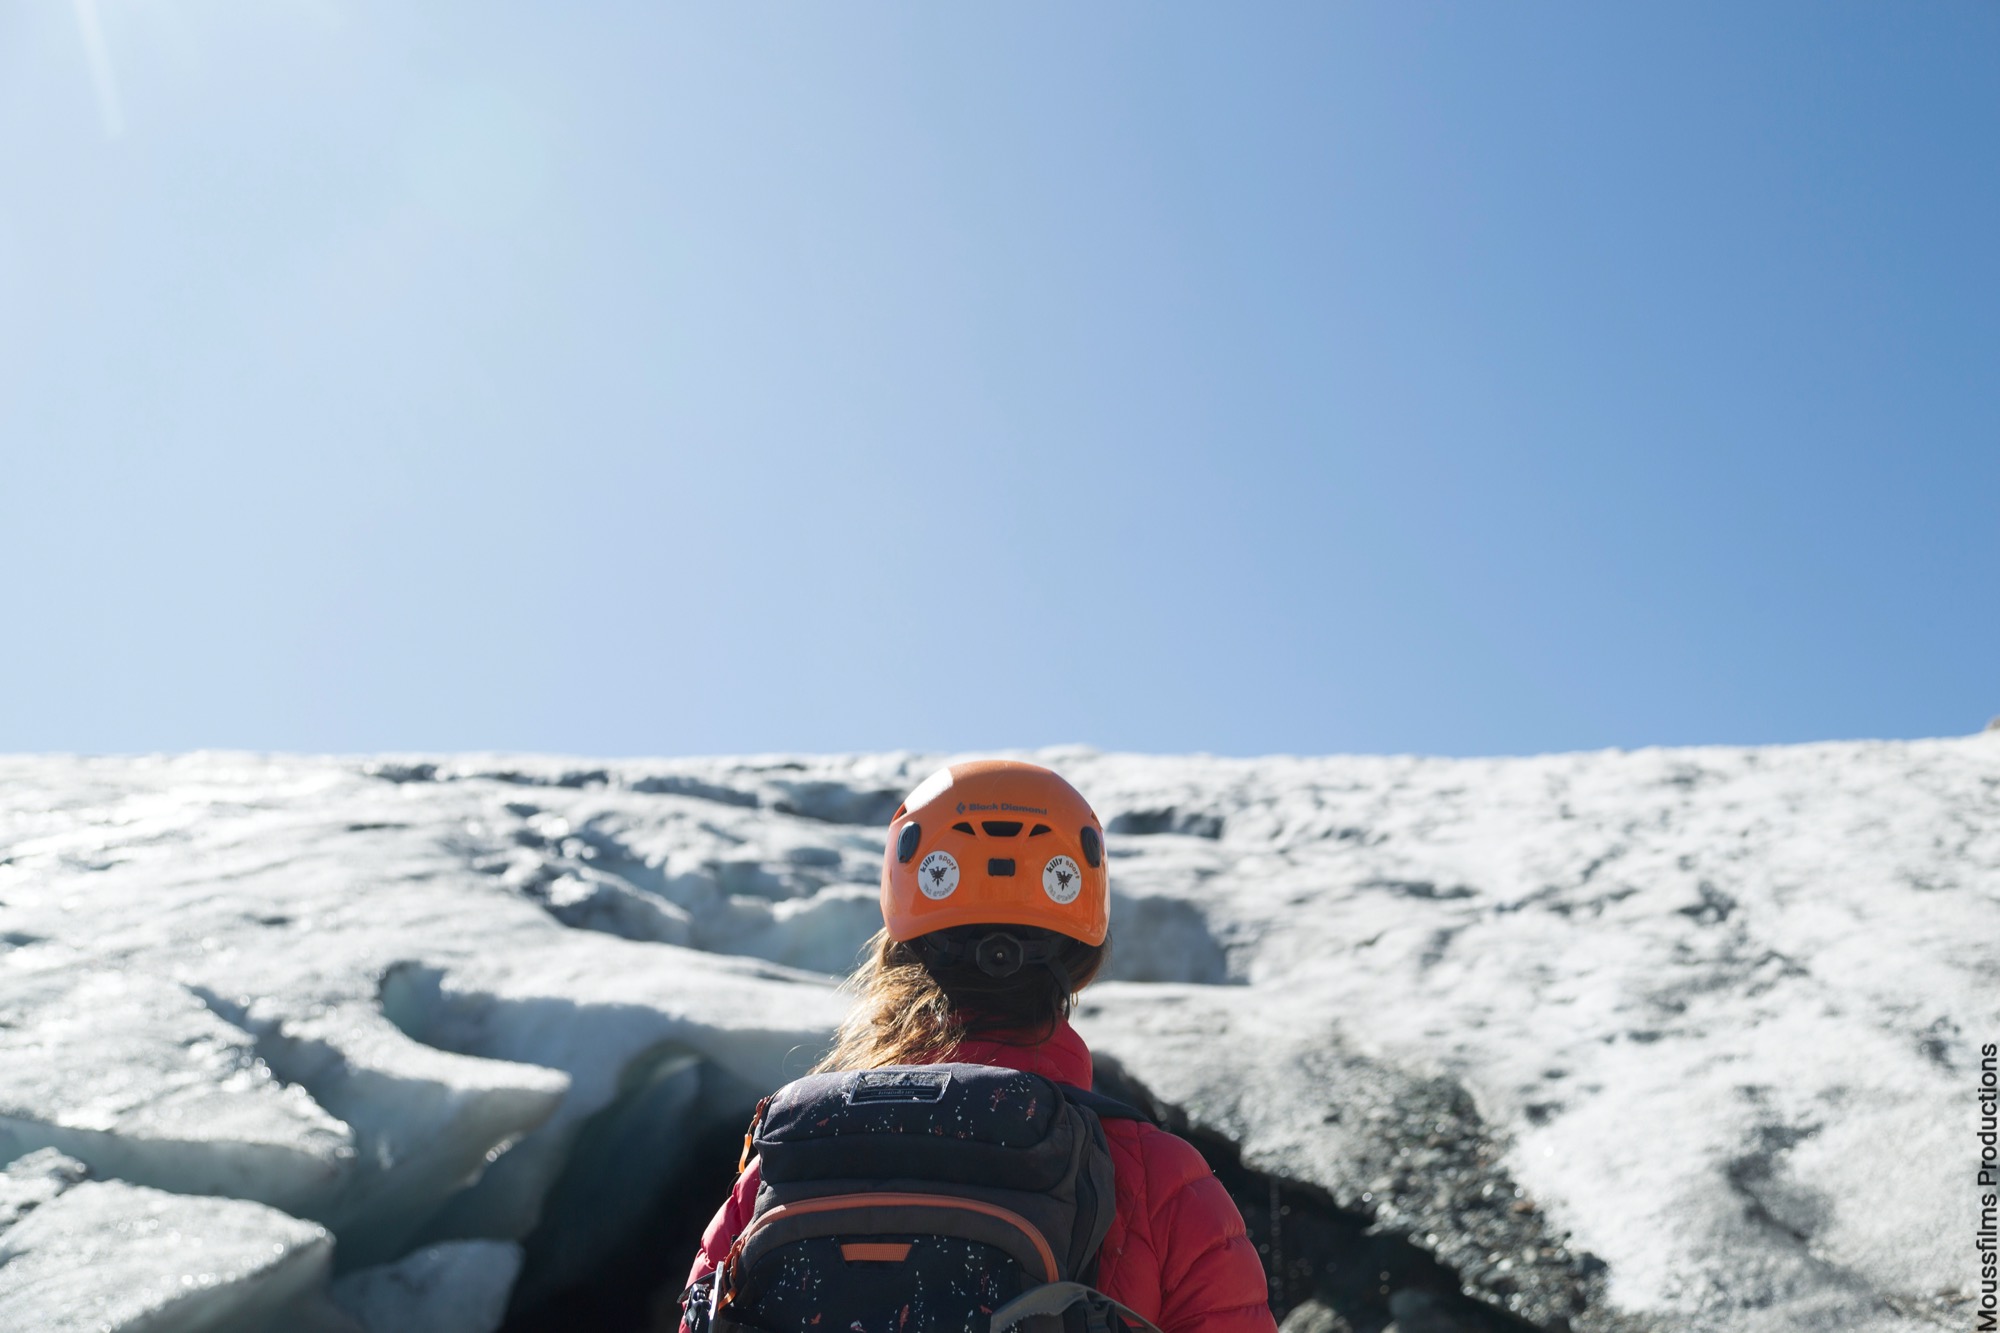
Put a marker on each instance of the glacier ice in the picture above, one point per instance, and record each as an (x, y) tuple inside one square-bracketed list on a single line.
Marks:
[(137, 1076), (1664, 1039), (459, 1287), (79, 1254)]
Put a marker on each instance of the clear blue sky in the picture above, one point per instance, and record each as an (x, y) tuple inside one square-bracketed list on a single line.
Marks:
[(632, 378)]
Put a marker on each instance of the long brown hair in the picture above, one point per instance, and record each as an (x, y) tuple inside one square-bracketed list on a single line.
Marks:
[(909, 1010)]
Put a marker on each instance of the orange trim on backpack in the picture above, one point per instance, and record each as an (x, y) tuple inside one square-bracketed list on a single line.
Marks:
[(870, 1252), (832, 1202), (749, 1135)]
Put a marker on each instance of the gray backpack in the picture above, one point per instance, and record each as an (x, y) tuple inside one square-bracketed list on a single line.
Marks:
[(922, 1199)]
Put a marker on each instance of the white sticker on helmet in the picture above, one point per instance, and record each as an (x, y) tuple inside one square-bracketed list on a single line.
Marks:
[(1061, 880), (937, 875)]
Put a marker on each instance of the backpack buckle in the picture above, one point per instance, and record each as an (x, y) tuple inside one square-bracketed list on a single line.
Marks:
[(697, 1303), (1101, 1316)]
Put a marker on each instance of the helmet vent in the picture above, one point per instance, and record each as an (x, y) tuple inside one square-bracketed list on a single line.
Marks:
[(1001, 828), (906, 845), (1093, 847), (964, 827), (1038, 830), (1000, 865)]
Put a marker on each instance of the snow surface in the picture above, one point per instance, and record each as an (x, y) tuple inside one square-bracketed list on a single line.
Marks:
[(1667, 1039)]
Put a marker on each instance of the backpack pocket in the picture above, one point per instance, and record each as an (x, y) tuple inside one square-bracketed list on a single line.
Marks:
[(880, 1262)]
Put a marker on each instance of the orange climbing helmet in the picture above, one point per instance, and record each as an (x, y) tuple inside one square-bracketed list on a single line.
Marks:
[(995, 842)]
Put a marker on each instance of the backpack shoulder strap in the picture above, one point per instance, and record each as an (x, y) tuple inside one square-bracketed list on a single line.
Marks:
[(1101, 1313)]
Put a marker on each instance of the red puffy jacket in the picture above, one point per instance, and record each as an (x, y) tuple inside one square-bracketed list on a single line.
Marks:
[(1177, 1252)]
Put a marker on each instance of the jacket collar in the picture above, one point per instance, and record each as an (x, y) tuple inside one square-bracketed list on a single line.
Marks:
[(1062, 1057)]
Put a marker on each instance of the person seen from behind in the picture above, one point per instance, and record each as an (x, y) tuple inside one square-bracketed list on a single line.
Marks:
[(926, 1176)]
